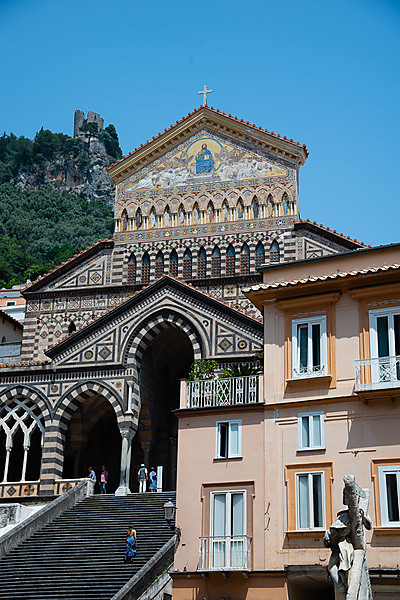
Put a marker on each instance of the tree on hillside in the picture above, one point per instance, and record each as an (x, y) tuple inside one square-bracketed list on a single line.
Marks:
[(109, 137), (90, 129)]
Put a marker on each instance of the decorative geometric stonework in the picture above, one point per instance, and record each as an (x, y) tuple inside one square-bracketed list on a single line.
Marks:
[(29, 490), (89, 354), (225, 344), (95, 277), (242, 345), (104, 353), (229, 291), (82, 279), (66, 487), (11, 491), (73, 302), (46, 304), (57, 333), (54, 389), (43, 334), (118, 384)]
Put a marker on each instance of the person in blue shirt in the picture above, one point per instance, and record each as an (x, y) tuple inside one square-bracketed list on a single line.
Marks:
[(92, 476), (130, 552)]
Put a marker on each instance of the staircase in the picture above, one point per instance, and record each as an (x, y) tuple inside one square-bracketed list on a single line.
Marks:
[(79, 555)]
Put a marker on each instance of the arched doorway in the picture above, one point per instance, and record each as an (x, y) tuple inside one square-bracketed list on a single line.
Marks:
[(92, 440), (165, 360)]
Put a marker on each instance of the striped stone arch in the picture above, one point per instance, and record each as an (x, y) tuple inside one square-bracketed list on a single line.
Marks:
[(144, 333), (142, 336), (70, 401), (37, 397)]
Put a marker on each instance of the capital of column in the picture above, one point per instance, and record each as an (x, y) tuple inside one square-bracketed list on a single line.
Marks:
[(127, 433)]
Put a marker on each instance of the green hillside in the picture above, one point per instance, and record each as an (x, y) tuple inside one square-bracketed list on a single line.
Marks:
[(42, 227)]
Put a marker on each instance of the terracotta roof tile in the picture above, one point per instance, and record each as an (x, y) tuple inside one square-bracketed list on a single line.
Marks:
[(315, 278), (220, 112), (332, 231)]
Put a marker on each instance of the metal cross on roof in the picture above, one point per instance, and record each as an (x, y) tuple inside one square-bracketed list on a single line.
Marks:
[(205, 91)]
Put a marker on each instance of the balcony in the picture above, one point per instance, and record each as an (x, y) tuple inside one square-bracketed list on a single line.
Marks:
[(230, 391), (377, 373), (223, 553)]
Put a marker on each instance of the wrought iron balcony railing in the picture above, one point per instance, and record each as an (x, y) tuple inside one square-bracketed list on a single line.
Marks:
[(220, 553), (377, 373), (222, 392)]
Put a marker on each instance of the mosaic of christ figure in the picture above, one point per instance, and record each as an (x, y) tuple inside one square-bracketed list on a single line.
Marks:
[(204, 161)]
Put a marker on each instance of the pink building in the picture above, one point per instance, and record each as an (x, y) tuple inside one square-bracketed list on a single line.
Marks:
[(261, 459)]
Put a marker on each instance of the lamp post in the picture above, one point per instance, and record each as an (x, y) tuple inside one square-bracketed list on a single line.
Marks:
[(169, 515)]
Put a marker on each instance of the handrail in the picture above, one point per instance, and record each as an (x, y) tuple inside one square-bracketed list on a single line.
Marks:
[(45, 515), (377, 373), (227, 391)]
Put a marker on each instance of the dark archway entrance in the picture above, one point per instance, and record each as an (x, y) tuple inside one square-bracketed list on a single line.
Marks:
[(166, 360), (92, 440)]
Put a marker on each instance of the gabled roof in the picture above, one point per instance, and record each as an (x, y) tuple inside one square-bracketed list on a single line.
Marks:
[(164, 281), (68, 265), (345, 241), (202, 118), (11, 319)]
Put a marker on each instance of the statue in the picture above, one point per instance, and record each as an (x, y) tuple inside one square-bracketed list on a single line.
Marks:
[(347, 565)]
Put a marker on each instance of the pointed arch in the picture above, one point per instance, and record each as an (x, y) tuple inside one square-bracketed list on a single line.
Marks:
[(274, 252), (71, 327), (167, 216), (181, 215), (153, 218), (270, 206), (138, 219), (240, 209), (173, 264), (210, 212), (21, 432), (187, 264), (131, 275), (255, 208), (202, 264), (245, 260), (216, 262), (159, 265), (285, 204), (225, 211), (145, 279), (124, 220), (260, 254), (230, 260), (196, 214)]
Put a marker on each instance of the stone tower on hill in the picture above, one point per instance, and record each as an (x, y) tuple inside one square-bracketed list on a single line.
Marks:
[(79, 120)]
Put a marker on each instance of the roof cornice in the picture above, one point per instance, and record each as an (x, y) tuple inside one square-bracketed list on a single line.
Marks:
[(202, 118)]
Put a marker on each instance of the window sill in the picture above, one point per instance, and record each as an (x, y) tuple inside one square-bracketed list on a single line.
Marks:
[(314, 379), (306, 533), (395, 530), (312, 449), (227, 459)]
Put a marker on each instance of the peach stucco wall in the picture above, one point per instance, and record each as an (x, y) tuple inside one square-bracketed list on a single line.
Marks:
[(197, 466), (235, 587), (355, 434)]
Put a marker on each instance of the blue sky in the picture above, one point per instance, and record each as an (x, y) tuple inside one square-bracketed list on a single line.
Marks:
[(323, 73)]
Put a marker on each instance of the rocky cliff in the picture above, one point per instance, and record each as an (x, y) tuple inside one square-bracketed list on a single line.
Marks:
[(82, 173)]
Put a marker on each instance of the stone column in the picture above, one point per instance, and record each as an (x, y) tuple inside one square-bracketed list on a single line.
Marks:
[(146, 446), (127, 437)]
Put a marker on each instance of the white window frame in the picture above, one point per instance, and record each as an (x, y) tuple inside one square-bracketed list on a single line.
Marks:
[(228, 508), (310, 415), (218, 435), (309, 321), (373, 329), (382, 471), (310, 502)]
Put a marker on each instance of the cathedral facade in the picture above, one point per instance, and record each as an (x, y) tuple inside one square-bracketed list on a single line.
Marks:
[(109, 334)]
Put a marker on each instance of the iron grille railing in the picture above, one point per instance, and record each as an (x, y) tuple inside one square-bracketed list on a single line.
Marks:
[(377, 373), (220, 553), (222, 392)]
